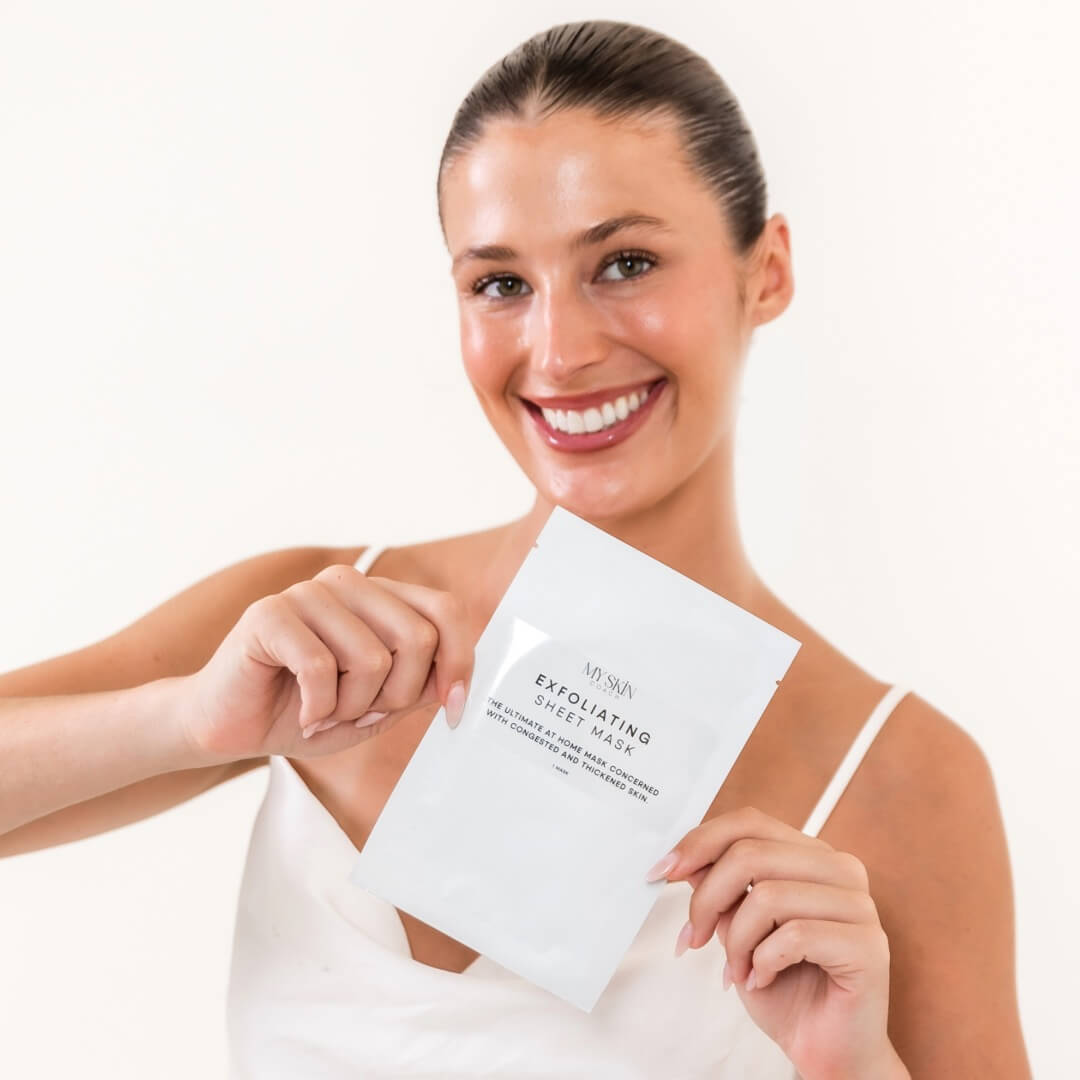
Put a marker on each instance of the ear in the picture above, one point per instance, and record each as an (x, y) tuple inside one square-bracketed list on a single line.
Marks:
[(770, 283)]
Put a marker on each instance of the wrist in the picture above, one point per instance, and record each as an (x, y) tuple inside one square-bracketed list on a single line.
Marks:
[(889, 1066), (171, 703), (885, 1065)]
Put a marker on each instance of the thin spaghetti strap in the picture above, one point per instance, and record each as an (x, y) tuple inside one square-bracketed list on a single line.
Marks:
[(370, 554), (846, 769)]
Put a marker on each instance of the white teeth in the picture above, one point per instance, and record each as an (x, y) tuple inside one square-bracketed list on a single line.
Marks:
[(595, 418)]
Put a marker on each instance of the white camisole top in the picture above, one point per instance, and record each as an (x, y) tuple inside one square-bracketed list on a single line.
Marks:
[(323, 985)]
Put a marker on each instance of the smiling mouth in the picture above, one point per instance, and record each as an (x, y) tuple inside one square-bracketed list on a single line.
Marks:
[(596, 426)]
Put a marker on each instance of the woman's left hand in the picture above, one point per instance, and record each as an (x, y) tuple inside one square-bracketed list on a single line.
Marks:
[(804, 945)]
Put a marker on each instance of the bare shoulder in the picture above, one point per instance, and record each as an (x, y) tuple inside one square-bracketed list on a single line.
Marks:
[(345, 556), (923, 796), (922, 813), (440, 563)]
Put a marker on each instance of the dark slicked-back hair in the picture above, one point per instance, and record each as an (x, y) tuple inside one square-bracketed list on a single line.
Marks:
[(621, 71)]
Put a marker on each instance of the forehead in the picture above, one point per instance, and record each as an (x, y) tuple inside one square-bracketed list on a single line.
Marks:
[(556, 175)]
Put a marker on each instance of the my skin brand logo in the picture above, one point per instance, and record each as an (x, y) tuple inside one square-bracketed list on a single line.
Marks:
[(608, 681)]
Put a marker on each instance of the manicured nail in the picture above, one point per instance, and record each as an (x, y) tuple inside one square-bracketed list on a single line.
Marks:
[(455, 704), (726, 976), (663, 867), (751, 980), (370, 718), (683, 940)]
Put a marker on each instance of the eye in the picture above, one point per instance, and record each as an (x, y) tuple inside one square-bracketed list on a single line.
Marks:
[(622, 259), (498, 279)]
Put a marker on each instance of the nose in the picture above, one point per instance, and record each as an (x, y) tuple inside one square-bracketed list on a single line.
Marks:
[(565, 334)]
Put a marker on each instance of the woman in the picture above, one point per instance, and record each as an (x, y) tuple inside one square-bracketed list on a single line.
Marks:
[(603, 204)]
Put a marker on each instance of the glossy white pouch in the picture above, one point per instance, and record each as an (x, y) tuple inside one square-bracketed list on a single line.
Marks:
[(610, 697)]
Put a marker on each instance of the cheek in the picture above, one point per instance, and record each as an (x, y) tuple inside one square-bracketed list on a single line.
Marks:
[(661, 327), (486, 351), (672, 330), (684, 327)]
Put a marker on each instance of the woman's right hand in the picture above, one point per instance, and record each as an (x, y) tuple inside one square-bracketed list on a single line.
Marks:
[(323, 656)]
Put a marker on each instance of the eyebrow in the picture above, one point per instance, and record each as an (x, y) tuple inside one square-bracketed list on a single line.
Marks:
[(595, 234)]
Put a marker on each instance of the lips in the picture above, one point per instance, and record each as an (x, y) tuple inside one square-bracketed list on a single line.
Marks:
[(581, 402), (595, 440)]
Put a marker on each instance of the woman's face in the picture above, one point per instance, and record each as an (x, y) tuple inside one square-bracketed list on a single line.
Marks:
[(554, 319)]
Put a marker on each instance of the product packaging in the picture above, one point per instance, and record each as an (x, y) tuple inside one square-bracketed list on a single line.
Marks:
[(610, 698)]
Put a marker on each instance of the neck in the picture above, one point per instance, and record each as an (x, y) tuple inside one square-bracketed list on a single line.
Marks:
[(693, 529)]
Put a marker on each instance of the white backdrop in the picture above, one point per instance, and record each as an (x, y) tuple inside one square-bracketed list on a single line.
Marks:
[(227, 326)]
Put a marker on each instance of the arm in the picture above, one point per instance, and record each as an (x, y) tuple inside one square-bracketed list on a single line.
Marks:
[(91, 739), (65, 749)]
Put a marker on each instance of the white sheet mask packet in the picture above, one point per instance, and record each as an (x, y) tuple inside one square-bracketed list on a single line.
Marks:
[(610, 698)]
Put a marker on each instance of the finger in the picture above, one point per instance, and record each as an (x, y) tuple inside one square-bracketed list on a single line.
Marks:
[(455, 652), (370, 723), (279, 637), (403, 632), (705, 843), (752, 860), (337, 736), (698, 876), (363, 663), (772, 903), (409, 634), (851, 954)]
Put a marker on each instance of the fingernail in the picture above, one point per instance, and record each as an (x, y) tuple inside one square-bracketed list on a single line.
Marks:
[(310, 730), (751, 980), (455, 704), (683, 940), (663, 867), (370, 718), (727, 976)]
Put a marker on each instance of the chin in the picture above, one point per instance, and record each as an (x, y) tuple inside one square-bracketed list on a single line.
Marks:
[(593, 500)]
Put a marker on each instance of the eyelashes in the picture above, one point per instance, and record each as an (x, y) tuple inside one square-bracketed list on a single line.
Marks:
[(630, 255)]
